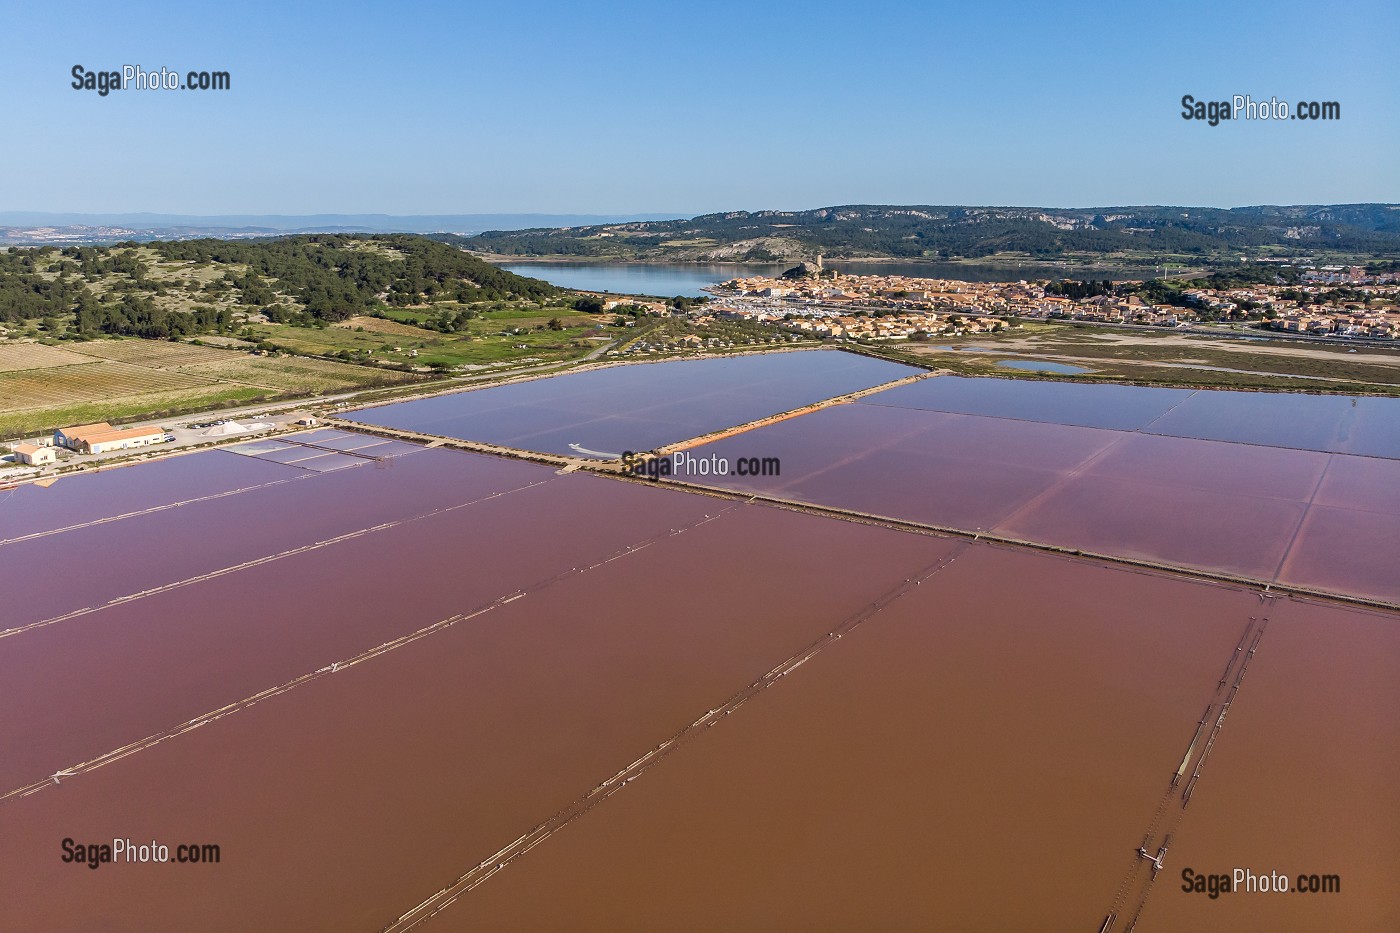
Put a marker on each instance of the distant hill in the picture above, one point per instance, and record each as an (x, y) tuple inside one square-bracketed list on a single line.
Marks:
[(929, 232), (37, 227), (178, 288)]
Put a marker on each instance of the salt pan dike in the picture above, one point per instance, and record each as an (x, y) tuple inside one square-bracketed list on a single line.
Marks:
[(1272, 487), (603, 413), (560, 631), (1335, 423), (1018, 720), (476, 679)]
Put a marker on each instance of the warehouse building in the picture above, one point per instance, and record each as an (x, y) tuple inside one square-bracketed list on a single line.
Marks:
[(102, 437)]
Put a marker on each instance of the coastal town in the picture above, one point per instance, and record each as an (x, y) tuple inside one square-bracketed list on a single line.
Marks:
[(1335, 301)]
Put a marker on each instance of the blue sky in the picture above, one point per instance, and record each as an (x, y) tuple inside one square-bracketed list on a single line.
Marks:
[(686, 107)]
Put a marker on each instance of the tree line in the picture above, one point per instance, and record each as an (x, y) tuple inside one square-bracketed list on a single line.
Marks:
[(295, 279), (961, 232)]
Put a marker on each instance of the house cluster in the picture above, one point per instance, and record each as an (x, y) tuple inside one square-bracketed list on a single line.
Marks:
[(1107, 309), (1349, 275), (1110, 310), (1336, 301), (1377, 325), (835, 290), (649, 307), (1358, 310), (891, 327), (924, 305)]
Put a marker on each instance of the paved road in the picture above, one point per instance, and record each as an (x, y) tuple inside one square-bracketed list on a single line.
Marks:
[(280, 415)]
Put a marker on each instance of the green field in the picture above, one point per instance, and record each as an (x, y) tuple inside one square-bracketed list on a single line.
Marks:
[(138, 408), (43, 387), (408, 337)]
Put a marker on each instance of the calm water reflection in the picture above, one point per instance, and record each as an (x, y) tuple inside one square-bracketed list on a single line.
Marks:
[(669, 279), (606, 412)]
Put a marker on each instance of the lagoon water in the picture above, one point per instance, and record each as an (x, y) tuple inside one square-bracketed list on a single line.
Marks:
[(666, 279), (634, 278)]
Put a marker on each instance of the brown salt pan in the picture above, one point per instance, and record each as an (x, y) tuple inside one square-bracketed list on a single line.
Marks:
[(341, 804), (984, 754), (1303, 782)]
